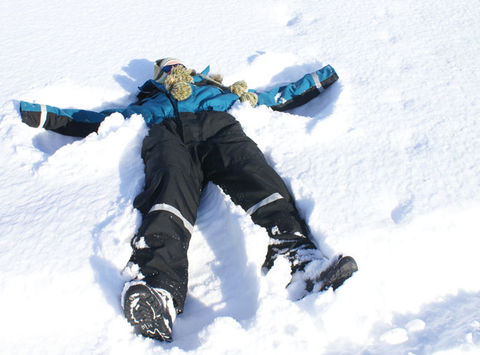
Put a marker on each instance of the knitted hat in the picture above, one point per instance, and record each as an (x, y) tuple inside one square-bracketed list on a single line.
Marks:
[(158, 74)]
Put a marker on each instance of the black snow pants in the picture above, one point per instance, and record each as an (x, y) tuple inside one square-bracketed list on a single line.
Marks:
[(181, 156)]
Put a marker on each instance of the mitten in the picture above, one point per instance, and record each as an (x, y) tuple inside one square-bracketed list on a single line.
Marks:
[(239, 87), (177, 75), (249, 96), (181, 91)]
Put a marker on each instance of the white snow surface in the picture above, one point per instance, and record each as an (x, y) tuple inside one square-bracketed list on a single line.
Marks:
[(384, 165)]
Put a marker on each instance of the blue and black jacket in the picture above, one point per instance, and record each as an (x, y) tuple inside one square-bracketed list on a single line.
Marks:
[(156, 104)]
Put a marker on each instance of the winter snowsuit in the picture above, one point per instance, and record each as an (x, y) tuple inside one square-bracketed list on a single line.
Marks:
[(190, 143)]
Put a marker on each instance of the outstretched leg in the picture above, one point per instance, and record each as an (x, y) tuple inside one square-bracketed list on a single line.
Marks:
[(169, 203), (237, 165)]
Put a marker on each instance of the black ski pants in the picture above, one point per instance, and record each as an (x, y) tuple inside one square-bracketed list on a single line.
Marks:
[(181, 156)]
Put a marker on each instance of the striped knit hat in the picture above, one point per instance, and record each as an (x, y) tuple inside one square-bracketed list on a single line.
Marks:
[(158, 74)]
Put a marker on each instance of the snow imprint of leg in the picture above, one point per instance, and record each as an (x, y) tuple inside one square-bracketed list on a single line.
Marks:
[(402, 212)]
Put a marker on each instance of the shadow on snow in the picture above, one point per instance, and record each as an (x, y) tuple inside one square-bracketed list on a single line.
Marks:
[(451, 323)]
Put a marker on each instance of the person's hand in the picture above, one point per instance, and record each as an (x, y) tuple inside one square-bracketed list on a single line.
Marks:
[(181, 91), (178, 83), (239, 87), (250, 97)]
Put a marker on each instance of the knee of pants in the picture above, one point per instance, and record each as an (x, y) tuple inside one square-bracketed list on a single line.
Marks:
[(173, 186)]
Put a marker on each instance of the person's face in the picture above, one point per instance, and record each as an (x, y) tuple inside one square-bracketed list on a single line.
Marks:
[(168, 68)]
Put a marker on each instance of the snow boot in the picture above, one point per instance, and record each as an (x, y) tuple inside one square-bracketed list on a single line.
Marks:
[(150, 310), (318, 275), (334, 275)]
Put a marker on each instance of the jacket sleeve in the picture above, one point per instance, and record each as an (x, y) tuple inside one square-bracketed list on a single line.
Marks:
[(70, 122), (300, 92)]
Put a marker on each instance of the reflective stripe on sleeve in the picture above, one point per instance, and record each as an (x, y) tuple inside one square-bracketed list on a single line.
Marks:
[(43, 116), (272, 198), (174, 211), (316, 80)]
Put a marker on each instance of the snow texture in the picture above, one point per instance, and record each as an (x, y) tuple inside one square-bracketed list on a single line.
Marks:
[(385, 166)]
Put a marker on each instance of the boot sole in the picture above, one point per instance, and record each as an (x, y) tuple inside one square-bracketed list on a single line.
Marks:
[(336, 274), (146, 313)]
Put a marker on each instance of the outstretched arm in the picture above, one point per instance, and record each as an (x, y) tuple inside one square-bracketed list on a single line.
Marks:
[(300, 92), (70, 122)]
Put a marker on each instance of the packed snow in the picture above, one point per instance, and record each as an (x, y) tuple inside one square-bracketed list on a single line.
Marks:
[(384, 166)]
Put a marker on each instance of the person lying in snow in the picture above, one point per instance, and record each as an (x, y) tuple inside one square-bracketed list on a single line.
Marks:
[(193, 140)]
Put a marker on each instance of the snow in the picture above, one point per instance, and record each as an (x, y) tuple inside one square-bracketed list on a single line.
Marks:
[(384, 166)]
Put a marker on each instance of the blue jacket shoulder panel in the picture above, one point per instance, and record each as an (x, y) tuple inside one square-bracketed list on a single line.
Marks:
[(207, 98)]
